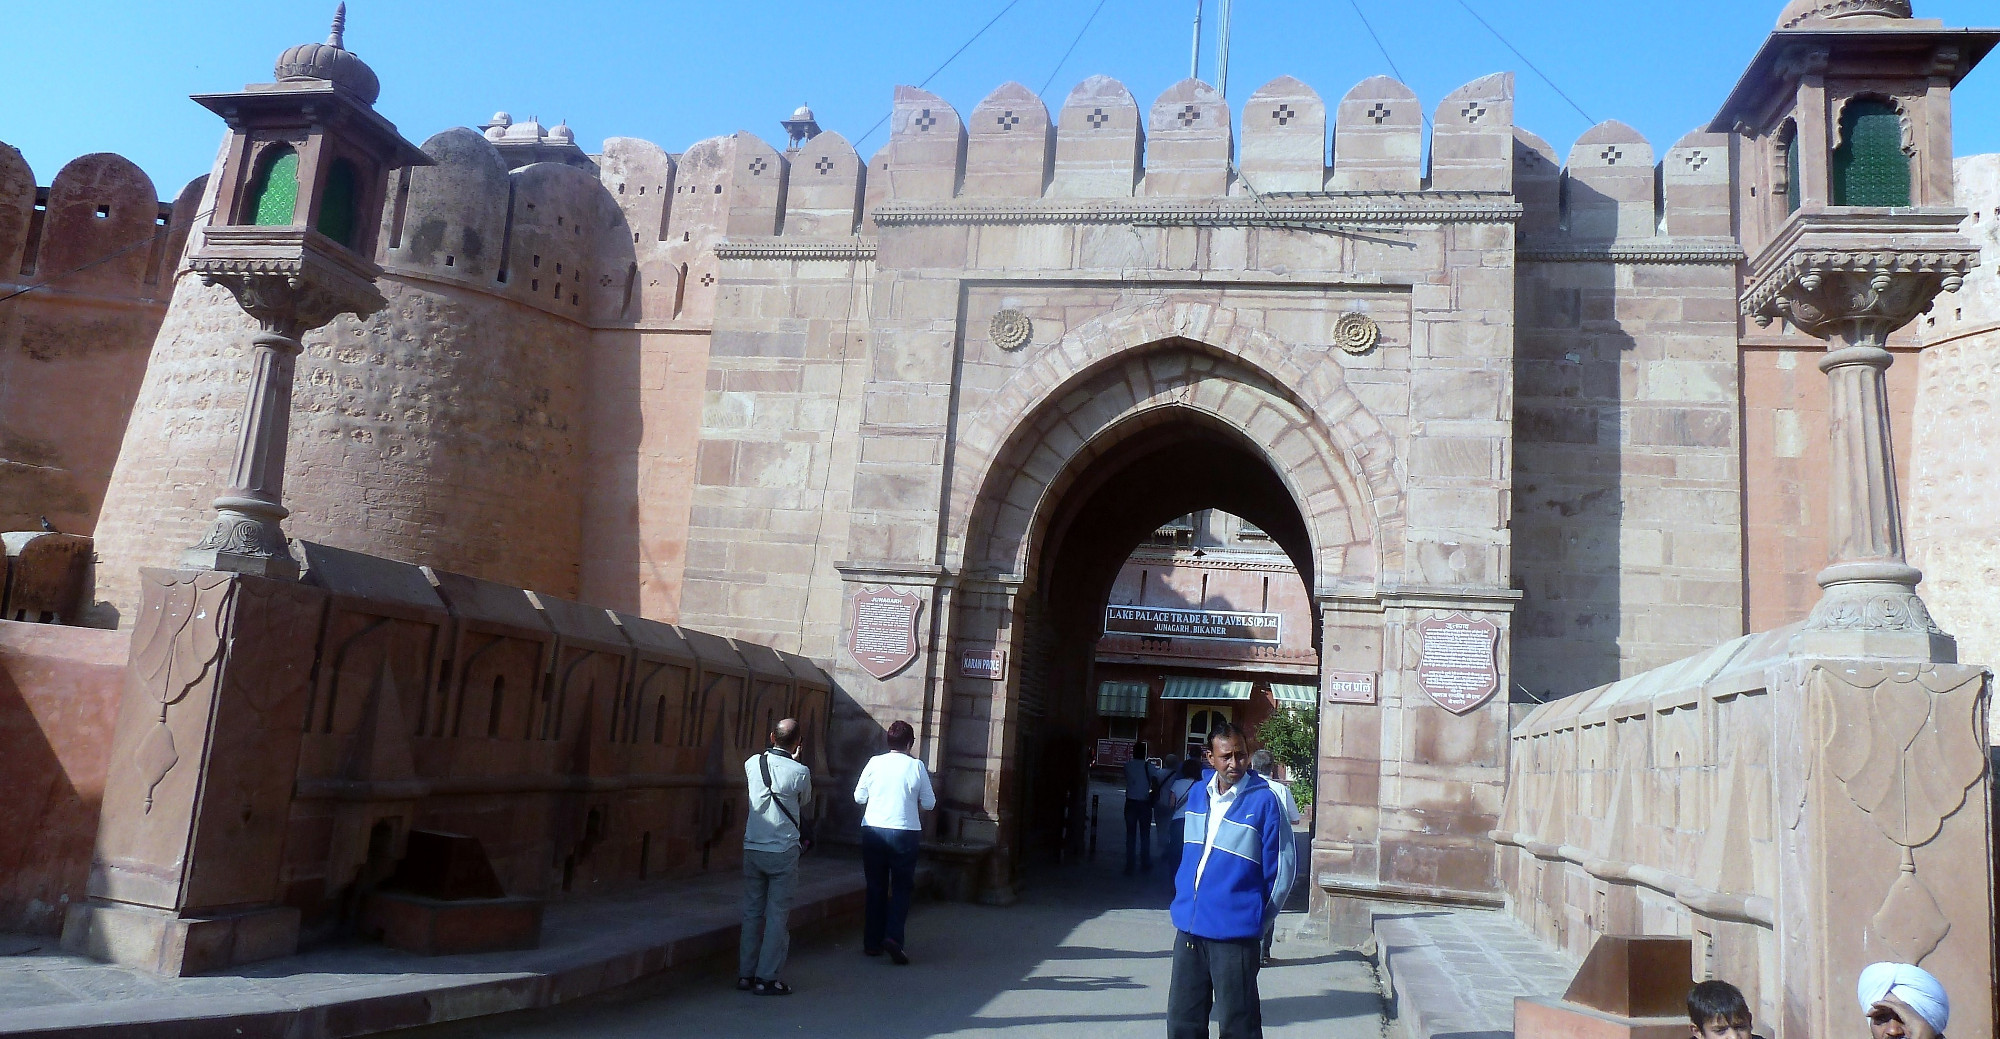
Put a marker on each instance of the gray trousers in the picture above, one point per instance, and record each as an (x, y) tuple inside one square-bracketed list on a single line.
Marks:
[(769, 879)]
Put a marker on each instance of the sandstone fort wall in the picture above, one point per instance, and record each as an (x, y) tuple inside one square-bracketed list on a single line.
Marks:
[(535, 380), (1954, 452), (86, 263)]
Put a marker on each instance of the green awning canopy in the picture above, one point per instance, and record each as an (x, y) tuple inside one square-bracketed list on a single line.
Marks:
[(1289, 695), (1122, 699), (1184, 688)]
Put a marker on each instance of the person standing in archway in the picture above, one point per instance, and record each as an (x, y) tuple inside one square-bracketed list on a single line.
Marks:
[(1142, 788), (894, 788), (1239, 855)]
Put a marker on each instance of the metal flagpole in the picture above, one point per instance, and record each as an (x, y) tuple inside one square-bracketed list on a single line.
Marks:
[(1194, 61), (1222, 46)]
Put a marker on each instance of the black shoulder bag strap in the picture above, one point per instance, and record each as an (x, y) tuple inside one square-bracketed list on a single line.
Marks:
[(764, 763)]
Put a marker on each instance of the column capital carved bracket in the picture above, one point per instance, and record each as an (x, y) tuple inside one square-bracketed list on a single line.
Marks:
[(1821, 291)]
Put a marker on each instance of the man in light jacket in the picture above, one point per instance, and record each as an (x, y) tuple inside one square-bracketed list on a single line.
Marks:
[(1238, 855), (780, 788)]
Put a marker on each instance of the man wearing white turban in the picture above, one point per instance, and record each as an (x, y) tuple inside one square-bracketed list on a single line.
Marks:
[(1903, 1002)]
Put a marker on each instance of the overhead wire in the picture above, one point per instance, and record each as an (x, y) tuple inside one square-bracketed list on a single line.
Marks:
[(1060, 62), (1372, 34), (1524, 60), (1011, 4), (160, 232)]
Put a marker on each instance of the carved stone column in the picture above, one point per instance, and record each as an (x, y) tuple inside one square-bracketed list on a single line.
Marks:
[(291, 282), (247, 536), (1854, 298)]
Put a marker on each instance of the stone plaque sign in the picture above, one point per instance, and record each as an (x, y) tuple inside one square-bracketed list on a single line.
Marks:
[(1458, 663), (883, 639), (1150, 622), (1351, 687), (983, 663)]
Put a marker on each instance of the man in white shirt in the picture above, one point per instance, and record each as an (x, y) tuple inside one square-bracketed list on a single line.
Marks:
[(780, 788), (894, 788), (1261, 763)]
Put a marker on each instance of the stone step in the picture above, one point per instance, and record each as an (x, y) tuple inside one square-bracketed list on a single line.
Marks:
[(1456, 972), (588, 946)]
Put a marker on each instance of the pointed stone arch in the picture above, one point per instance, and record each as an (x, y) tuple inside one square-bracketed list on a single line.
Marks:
[(1330, 450)]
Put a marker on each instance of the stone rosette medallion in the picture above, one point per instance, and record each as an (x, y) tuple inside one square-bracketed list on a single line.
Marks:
[(883, 637), (1011, 329), (1356, 333)]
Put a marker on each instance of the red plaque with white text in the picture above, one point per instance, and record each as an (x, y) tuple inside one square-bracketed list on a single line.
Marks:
[(883, 638), (1458, 661)]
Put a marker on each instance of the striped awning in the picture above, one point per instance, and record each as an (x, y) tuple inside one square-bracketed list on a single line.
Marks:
[(1290, 695), (1180, 687), (1122, 699)]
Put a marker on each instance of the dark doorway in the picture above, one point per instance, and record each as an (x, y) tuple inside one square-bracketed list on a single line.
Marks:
[(1183, 465)]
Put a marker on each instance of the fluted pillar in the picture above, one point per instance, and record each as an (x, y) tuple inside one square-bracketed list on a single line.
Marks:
[(248, 535), (1870, 606)]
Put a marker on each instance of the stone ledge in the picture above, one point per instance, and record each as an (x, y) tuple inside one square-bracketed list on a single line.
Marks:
[(1456, 972), (1308, 211), (588, 946)]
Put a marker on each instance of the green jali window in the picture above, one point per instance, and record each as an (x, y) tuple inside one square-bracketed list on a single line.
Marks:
[(274, 192), (1870, 167), (337, 204)]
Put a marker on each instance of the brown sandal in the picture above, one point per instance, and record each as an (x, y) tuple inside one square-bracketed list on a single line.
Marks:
[(773, 987)]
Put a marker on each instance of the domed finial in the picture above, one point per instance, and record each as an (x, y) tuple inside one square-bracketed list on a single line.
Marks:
[(333, 39)]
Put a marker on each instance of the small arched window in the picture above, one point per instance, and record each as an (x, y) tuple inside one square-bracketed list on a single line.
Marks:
[(1870, 167), (337, 205), (1789, 141), (274, 191)]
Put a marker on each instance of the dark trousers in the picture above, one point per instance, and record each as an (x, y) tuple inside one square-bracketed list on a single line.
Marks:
[(889, 864), (1138, 833), (1214, 975), (1176, 841)]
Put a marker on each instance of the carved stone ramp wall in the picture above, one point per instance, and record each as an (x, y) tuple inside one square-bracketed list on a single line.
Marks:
[(277, 742), (1798, 816)]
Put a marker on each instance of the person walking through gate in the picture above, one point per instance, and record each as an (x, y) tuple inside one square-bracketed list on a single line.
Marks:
[(1142, 786), (1262, 762), (780, 788), (1239, 854), (1175, 796), (894, 787)]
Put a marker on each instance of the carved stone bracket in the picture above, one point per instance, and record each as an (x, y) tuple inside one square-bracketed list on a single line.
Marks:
[(287, 304), (1823, 293)]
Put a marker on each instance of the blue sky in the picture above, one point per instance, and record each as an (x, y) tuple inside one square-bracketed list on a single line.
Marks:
[(114, 75)]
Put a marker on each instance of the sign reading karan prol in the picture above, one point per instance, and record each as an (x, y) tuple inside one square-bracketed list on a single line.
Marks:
[(1152, 622), (1355, 687), (884, 636), (983, 663), (1458, 661)]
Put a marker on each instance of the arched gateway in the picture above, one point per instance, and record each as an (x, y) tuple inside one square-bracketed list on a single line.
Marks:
[(1043, 355)]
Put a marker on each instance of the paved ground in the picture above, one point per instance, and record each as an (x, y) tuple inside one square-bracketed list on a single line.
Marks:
[(1084, 953), (1455, 972), (588, 945)]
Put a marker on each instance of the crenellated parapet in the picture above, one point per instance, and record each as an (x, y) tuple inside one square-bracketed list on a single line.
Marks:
[(99, 228), (1613, 198), (85, 272)]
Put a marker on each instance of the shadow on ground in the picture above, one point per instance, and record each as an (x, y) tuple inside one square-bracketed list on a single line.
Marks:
[(1084, 952)]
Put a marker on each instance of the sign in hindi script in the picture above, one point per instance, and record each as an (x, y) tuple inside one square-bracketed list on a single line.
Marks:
[(1457, 665)]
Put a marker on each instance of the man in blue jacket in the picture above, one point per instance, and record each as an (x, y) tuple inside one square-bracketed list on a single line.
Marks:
[(1239, 851)]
